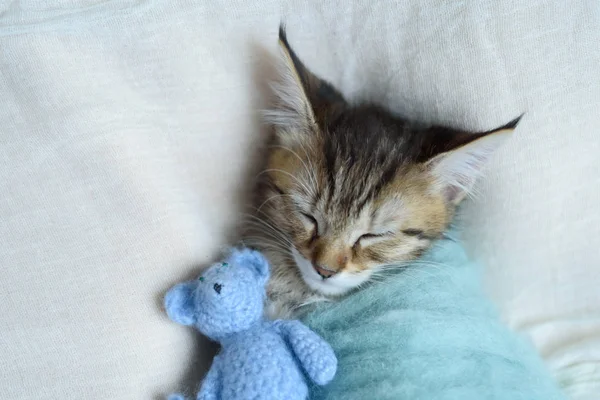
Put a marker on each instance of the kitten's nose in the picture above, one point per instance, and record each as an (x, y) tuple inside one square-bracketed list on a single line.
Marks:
[(324, 272)]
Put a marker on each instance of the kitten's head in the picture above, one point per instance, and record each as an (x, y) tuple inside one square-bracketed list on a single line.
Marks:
[(355, 188)]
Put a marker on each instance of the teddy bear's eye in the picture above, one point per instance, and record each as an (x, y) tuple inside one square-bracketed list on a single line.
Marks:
[(201, 279), (217, 287)]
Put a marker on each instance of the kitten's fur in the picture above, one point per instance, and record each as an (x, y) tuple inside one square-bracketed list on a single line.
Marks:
[(352, 189)]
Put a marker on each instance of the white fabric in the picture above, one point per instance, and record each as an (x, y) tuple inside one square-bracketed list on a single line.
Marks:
[(127, 128)]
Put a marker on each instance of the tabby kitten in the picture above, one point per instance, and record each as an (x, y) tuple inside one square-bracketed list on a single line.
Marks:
[(350, 190)]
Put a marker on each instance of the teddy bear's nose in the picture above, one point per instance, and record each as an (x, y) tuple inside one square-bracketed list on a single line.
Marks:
[(217, 287)]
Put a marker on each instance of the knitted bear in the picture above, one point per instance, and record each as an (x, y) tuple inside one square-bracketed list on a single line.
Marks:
[(259, 359)]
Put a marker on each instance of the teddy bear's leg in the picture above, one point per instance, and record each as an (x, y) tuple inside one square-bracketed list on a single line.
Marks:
[(315, 355), (211, 385)]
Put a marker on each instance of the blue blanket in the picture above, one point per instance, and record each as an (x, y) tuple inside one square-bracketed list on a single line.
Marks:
[(427, 332)]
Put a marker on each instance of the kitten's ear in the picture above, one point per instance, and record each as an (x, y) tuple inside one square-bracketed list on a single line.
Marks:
[(456, 170), (303, 99)]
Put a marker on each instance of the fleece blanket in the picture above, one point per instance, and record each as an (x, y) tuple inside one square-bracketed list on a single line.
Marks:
[(427, 331)]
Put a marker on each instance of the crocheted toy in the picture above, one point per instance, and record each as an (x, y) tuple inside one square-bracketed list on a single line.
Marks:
[(259, 359)]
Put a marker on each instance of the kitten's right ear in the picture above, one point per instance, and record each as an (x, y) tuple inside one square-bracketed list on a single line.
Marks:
[(304, 101)]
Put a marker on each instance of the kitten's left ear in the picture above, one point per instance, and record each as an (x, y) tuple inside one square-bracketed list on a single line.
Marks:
[(456, 170)]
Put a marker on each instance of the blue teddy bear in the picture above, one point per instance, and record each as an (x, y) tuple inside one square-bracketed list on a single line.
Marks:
[(259, 359)]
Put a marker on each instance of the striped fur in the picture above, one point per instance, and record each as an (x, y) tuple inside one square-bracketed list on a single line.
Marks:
[(352, 189)]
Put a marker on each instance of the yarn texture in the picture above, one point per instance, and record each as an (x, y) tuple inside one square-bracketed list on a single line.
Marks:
[(428, 332), (259, 359)]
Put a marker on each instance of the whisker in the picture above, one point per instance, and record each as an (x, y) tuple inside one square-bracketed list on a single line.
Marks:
[(257, 222), (415, 271), (259, 239), (310, 171), (271, 198), (298, 181), (312, 168), (265, 220), (268, 237), (264, 223), (263, 244)]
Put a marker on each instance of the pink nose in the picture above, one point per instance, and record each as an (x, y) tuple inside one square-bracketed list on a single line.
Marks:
[(324, 272)]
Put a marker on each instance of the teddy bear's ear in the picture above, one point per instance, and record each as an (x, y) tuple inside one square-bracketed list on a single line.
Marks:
[(254, 260), (260, 265), (179, 303)]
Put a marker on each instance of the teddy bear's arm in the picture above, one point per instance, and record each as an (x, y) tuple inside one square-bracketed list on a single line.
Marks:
[(315, 354), (211, 385)]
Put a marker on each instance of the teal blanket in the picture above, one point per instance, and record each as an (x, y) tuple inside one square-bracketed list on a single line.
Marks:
[(427, 332)]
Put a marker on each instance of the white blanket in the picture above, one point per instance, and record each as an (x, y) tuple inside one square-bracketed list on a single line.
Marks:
[(126, 130)]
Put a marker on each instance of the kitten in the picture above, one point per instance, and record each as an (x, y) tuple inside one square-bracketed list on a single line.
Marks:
[(350, 190)]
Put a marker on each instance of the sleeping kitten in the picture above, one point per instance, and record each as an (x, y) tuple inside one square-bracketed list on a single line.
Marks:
[(350, 190)]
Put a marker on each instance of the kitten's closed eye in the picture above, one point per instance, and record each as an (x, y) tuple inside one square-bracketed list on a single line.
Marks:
[(413, 232), (277, 189), (371, 237), (315, 225)]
